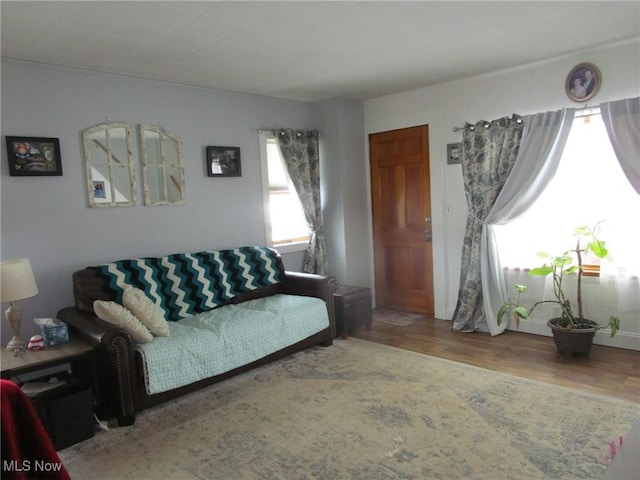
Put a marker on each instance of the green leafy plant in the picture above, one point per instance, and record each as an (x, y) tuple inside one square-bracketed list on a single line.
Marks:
[(559, 267)]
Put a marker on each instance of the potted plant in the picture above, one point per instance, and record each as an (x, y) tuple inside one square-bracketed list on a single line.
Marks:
[(573, 334)]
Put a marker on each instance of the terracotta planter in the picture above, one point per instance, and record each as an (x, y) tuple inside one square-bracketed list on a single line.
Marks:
[(575, 341)]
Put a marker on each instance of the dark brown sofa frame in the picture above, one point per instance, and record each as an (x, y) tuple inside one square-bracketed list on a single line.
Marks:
[(119, 381)]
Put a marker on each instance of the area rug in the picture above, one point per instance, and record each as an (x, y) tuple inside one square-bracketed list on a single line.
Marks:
[(359, 410), (397, 319)]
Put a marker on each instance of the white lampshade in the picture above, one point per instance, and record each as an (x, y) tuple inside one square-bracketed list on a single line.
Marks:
[(16, 280)]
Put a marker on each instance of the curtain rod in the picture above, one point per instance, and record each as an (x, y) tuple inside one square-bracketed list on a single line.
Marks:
[(298, 131), (488, 123), (580, 112)]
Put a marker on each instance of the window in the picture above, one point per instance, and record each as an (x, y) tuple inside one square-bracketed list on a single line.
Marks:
[(285, 224), (588, 187)]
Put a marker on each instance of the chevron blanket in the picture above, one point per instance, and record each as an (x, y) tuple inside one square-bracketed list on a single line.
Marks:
[(185, 284)]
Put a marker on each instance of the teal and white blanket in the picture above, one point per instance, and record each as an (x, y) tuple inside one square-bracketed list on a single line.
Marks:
[(186, 284)]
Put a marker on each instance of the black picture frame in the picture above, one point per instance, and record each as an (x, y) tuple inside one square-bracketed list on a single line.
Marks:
[(454, 153), (34, 156), (583, 82), (223, 162)]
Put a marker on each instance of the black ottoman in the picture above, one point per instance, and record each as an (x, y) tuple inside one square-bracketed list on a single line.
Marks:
[(353, 308)]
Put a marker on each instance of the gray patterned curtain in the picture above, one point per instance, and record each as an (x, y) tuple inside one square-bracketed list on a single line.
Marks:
[(489, 151), (299, 149)]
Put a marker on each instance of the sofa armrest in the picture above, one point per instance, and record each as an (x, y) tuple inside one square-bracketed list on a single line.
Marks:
[(114, 365), (311, 285)]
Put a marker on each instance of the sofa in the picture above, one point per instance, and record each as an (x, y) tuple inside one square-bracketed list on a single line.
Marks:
[(166, 326)]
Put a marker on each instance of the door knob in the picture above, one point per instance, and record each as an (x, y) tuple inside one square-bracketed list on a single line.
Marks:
[(427, 230)]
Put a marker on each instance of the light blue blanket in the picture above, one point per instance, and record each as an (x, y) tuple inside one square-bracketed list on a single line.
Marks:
[(228, 337)]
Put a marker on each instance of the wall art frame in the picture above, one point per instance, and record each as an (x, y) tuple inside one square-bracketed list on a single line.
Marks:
[(454, 153), (583, 82), (223, 162), (34, 156)]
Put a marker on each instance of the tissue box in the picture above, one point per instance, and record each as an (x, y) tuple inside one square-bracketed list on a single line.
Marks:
[(53, 331)]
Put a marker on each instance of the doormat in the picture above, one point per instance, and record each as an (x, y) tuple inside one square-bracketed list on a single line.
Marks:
[(395, 318)]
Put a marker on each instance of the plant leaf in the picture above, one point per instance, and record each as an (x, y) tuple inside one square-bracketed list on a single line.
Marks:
[(571, 270), (521, 311), (542, 271), (521, 288), (586, 231), (501, 312), (615, 325), (598, 248), (563, 260)]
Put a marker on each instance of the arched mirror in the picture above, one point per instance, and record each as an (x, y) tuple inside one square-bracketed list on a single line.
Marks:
[(108, 155), (162, 166)]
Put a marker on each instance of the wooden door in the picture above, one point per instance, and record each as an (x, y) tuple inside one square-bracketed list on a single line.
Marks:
[(401, 202)]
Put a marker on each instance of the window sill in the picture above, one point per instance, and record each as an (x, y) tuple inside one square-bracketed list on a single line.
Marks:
[(291, 247)]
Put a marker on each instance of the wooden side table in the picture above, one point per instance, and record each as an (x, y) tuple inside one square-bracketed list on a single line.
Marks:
[(76, 352), (353, 308), (66, 410)]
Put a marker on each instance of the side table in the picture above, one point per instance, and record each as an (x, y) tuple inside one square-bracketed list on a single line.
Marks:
[(352, 308), (76, 352), (66, 410)]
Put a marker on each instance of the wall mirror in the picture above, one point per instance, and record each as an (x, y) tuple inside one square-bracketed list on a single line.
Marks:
[(108, 155), (162, 166)]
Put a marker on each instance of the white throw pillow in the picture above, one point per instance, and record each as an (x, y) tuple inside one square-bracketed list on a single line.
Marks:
[(150, 314), (116, 314)]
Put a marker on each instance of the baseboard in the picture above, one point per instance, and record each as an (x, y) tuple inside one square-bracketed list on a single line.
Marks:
[(626, 340)]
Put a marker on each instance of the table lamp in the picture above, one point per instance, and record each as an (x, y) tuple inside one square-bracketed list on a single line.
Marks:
[(16, 283)]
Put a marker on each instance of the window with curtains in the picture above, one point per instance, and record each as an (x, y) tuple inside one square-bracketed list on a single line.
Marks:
[(589, 187), (285, 224)]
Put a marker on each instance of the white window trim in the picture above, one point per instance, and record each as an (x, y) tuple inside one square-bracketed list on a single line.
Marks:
[(265, 135)]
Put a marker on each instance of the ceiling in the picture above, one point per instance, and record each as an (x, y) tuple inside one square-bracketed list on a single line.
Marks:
[(309, 50)]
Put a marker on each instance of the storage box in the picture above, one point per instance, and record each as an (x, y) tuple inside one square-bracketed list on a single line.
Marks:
[(66, 411), (53, 331), (352, 308)]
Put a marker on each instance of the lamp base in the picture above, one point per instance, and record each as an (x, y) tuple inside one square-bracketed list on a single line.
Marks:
[(17, 344), (14, 315)]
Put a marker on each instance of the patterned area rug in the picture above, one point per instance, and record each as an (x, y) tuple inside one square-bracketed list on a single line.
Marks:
[(398, 319), (359, 410)]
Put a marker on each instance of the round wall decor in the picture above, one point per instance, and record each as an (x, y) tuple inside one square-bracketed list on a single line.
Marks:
[(583, 82)]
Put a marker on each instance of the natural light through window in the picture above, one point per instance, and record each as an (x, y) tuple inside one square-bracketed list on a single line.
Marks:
[(588, 187), (285, 221)]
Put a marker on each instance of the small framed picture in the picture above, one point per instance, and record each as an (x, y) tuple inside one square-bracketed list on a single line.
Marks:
[(223, 162), (33, 156), (454, 151), (583, 82)]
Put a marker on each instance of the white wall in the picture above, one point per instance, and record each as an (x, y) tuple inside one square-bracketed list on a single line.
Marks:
[(530, 89), (47, 219), (346, 190)]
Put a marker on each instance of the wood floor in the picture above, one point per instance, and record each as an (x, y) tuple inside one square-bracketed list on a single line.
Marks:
[(608, 371)]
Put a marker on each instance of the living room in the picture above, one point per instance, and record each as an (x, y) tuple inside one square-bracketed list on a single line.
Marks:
[(41, 214), (48, 219)]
